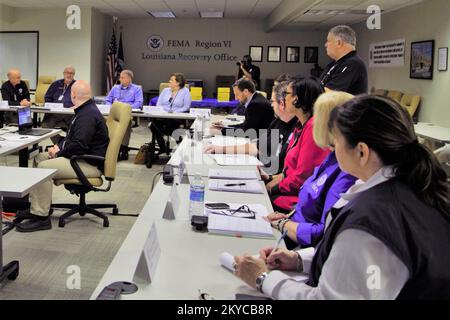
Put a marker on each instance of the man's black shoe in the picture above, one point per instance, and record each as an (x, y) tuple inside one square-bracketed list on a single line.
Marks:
[(23, 215), (35, 224)]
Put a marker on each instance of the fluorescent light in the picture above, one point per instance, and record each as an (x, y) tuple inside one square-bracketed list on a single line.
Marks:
[(211, 14), (161, 14)]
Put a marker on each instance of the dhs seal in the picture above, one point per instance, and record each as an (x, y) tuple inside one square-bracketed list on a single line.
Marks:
[(155, 43)]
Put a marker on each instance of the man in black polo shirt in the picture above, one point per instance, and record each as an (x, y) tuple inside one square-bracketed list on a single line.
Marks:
[(16, 92), (59, 92), (250, 71), (347, 72)]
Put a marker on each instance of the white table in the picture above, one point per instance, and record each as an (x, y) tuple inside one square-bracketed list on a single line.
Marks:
[(433, 132), (17, 183), (11, 142)]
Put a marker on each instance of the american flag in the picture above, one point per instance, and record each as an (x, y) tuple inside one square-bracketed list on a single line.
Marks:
[(111, 61), (120, 59)]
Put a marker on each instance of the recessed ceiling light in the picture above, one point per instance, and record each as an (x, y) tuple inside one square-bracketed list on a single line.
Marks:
[(161, 14), (212, 14)]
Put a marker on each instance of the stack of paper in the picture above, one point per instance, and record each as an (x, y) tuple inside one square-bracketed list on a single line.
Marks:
[(240, 227), (223, 94), (225, 141), (196, 93), (236, 160), (232, 174), (244, 186)]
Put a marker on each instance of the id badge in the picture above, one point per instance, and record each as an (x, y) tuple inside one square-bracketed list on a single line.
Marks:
[(60, 98)]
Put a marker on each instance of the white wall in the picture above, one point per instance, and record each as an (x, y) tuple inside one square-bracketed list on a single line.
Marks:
[(428, 20), (242, 33), (58, 46)]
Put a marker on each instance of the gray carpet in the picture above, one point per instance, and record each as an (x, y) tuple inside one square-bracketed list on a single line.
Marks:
[(45, 256)]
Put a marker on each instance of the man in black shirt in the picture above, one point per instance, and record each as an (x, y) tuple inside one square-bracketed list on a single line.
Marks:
[(87, 134), (16, 92), (347, 72), (250, 71), (59, 92)]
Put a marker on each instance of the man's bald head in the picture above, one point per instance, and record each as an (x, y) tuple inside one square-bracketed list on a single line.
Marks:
[(14, 76), (81, 92)]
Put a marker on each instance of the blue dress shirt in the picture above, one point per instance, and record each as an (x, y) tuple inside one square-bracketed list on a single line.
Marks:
[(181, 102), (131, 95)]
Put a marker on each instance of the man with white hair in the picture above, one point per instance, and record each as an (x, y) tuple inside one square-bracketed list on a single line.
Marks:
[(87, 134), (59, 92), (16, 92), (126, 92), (347, 72)]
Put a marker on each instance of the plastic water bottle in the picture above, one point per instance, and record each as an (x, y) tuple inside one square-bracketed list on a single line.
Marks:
[(197, 196), (198, 129)]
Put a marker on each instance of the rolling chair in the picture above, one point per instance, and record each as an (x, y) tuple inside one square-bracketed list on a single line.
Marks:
[(380, 92), (395, 95), (410, 102), (117, 123), (44, 83)]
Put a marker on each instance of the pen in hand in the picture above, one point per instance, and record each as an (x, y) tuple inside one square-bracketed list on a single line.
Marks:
[(278, 243)]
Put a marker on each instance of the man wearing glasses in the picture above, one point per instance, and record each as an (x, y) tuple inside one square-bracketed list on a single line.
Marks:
[(59, 92)]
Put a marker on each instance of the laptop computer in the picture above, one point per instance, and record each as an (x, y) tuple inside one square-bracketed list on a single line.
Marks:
[(26, 123)]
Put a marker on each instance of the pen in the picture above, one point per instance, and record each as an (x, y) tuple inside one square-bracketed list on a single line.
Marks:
[(235, 184), (278, 242)]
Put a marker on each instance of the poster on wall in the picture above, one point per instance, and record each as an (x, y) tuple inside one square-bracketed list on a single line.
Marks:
[(389, 53)]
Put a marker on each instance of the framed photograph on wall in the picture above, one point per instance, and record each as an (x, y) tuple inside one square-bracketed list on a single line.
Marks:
[(292, 54), (256, 52), (311, 54), (442, 59), (274, 54), (421, 66)]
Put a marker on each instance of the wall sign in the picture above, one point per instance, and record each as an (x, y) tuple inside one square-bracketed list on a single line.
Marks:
[(387, 54)]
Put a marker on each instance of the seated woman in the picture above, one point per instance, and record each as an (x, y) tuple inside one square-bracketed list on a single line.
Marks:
[(321, 191), (302, 154), (271, 148), (175, 98), (389, 234)]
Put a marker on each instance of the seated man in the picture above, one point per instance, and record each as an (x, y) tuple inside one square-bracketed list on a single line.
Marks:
[(87, 134), (126, 92), (59, 92), (258, 111), (16, 92)]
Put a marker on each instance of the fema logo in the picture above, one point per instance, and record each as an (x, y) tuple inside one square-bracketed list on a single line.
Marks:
[(155, 43)]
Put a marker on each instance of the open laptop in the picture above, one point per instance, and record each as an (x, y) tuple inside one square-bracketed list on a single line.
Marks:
[(26, 123)]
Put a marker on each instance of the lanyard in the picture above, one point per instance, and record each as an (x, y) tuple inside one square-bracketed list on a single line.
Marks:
[(68, 132), (172, 100)]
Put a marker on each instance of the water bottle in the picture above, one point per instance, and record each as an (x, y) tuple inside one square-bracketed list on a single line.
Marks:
[(198, 129), (197, 196)]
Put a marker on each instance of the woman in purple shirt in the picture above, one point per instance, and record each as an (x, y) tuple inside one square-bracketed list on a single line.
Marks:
[(320, 192)]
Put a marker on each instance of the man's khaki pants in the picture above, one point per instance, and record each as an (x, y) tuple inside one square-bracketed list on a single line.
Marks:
[(41, 196)]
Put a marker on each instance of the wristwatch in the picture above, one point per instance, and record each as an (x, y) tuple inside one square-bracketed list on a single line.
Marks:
[(260, 281)]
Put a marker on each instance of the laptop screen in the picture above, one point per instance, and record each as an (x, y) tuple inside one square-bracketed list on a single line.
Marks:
[(24, 117)]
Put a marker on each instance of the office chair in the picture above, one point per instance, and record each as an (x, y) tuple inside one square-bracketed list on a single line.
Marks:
[(117, 123), (410, 102), (44, 83), (395, 95)]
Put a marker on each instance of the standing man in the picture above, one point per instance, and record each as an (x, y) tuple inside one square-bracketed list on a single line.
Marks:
[(250, 71), (347, 72), (16, 92), (87, 134), (59, 92), (129, 93)]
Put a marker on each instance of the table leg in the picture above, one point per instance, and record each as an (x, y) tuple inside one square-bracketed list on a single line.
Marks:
[(11, 270)]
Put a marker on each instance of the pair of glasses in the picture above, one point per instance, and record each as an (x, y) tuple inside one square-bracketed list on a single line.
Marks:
[(242, 212)]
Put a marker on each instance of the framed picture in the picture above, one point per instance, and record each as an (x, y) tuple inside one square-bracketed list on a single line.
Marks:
[(292, 54), (274, 54), (311, 54), (256, 52), (422, 53), (442, 59)]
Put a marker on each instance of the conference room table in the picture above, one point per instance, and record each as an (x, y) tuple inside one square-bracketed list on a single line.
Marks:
[(206, 103), (189, 259), (432, 132), (17, 183)]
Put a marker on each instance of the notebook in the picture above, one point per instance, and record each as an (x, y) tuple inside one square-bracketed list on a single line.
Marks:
[(232, 174), (242, 186), (236, 160)]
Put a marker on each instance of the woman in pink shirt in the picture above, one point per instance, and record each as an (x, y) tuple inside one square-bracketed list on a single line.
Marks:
[(303, 155)]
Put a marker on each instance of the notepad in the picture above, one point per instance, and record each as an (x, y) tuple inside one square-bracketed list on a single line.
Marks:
[(232, 174), (242, 186), (239, 227), (236, 160), (225, 141)]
